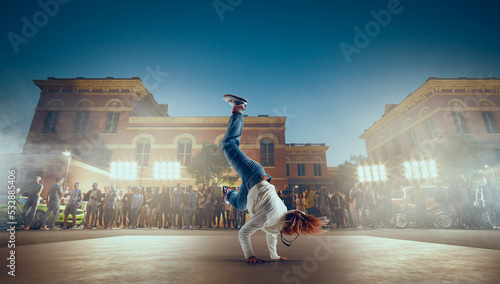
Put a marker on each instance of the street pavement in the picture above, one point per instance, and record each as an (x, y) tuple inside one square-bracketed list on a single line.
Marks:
[(215, 256)]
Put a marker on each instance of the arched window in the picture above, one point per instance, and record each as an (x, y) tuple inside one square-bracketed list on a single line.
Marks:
[(184, 151), (267, 152), (142, 152)]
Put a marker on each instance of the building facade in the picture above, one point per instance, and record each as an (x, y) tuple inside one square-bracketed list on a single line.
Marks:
[(117, 133), (406, 132)]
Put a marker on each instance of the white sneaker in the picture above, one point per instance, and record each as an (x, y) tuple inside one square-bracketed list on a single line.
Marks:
[(236, 101)]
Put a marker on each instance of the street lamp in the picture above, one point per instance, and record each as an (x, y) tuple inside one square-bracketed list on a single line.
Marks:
[(493, 172), (420, 170), (67, 154), (372, 173)]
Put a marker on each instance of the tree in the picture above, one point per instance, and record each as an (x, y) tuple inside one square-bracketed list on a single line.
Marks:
[(457, 158), (209, 167)]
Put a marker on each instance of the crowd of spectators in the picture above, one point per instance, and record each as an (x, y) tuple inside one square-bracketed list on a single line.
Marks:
[(135, 207), (374, 208), (186, 208)]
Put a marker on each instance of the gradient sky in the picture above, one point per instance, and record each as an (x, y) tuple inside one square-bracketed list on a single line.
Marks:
[(284, 56)]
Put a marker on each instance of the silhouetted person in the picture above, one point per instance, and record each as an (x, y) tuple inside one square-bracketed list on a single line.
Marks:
[(92, 206), (75, 200), (53, 204), (32, 203)]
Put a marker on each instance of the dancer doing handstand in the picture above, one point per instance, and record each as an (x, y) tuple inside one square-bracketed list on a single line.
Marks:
[(267, 211)]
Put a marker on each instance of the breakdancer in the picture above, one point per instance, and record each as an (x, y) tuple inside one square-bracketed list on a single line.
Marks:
[(268, 213)]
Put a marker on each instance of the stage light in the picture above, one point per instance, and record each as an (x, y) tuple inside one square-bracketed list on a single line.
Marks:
[(370, 173), (121, 170), (422, 169)]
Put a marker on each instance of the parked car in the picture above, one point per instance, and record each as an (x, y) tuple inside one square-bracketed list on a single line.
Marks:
[(40, 212)]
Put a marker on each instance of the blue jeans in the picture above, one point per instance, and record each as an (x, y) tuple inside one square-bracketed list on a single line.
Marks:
[(177, 212), (135, 214), (29, 210), (52, 207), (247, 169), (188, 216)]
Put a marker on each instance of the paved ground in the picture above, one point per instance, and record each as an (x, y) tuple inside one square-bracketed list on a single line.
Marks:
[(167, 256)]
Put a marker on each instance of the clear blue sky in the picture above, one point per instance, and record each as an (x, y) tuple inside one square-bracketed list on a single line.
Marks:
[(284, 56)]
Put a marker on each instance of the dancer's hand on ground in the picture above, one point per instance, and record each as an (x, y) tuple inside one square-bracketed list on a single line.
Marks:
[(253, 259)]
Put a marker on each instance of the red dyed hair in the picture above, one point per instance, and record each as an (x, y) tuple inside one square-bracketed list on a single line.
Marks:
[(300, 223)]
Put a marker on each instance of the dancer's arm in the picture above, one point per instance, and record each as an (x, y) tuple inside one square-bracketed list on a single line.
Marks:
[(252, 226), (272, 241)]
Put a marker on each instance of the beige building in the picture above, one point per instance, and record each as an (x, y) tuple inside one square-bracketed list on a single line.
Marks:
[(407, 131)]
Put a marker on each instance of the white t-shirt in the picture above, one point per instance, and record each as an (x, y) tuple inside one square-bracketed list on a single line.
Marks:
[(266, 212)]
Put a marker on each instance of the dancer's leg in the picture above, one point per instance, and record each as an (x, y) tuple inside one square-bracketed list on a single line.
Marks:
[(249, 170)]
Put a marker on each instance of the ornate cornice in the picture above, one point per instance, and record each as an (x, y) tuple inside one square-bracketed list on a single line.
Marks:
[(277, 121), (293, 149), (109, 109), (190, 128), (306, 162), (93, 86)]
